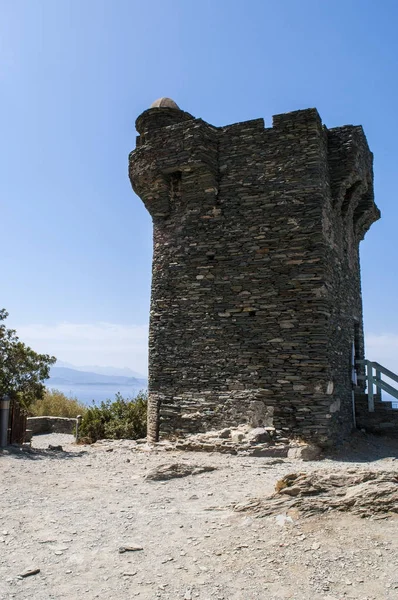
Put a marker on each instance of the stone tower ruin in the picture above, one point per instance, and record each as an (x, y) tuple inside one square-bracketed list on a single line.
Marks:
[(256, 297)]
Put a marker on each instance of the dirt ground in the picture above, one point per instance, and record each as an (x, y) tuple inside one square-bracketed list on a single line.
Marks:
[(68, 514)]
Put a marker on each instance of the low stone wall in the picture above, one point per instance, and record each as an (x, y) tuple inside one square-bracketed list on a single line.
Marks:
[(51, 425)]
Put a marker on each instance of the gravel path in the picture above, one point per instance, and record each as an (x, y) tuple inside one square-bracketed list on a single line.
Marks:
[(68, 513)]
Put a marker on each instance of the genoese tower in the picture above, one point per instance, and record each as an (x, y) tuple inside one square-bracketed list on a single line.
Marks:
[(256, 306)]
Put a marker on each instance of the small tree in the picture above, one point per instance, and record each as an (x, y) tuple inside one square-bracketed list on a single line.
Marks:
[(22, 371)]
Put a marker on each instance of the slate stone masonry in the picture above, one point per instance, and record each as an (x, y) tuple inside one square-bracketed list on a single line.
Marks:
[(256, 297)]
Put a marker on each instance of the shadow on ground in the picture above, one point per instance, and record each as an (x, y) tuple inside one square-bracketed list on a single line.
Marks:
[(28, 453), (364, 447)]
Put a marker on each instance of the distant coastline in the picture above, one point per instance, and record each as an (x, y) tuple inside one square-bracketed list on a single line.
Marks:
[(53, 382), (89, 386), (86, 393)]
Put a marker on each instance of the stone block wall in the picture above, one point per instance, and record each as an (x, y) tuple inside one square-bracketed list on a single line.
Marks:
[(256, 296), (384, 419), (40, 425)]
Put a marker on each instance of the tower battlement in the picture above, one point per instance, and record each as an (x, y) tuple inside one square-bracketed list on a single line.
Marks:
[(256, 300)]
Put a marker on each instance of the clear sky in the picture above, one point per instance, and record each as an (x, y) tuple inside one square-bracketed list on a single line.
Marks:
[(76, 242)]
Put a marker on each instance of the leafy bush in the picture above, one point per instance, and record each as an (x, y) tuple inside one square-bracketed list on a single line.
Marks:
[(56, 404), (120, 419)]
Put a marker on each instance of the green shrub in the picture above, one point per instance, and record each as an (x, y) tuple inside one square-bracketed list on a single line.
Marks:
[(120, 419), (56, 404)]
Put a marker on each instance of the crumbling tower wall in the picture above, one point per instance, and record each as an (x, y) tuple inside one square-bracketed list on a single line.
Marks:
[(256, 300)]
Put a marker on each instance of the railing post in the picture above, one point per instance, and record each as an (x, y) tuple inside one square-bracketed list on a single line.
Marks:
[(378, 378), (371, 402)]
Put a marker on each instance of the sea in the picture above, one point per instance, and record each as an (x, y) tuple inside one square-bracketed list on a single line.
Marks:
[(87, 393)]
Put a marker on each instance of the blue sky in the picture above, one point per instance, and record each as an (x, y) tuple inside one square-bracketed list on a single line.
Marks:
[(75, 74)]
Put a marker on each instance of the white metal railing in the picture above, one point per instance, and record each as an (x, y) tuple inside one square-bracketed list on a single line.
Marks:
[(373, 377)]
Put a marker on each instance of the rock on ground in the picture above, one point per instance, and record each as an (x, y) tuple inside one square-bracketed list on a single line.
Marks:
[(176, 470), (364, 492)]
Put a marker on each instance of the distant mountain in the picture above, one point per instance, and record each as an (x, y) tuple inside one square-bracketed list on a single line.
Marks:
[(67, 376), (124, 372)]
